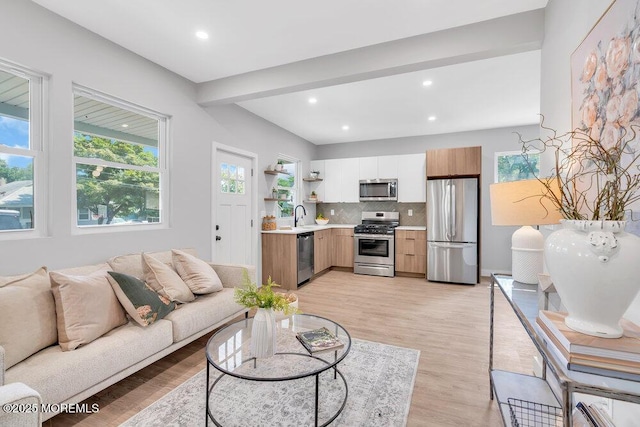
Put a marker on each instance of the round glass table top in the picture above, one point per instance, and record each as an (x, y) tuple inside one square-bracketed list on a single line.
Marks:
[(229, 349)]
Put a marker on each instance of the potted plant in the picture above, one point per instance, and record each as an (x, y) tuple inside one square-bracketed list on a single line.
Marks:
[(280, 166), (591, 260), (313, 196), (267, 302)]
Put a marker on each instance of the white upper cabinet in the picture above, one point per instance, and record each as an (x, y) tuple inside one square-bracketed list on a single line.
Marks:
[(341, 180), (368, 167), (412, 178), (350, 180), (381, 167), (332, 181), (388, 167)]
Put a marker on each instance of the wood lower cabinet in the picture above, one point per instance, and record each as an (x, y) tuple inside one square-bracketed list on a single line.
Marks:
[(280, 259), (411, 251), (342, 253), (322, 247)]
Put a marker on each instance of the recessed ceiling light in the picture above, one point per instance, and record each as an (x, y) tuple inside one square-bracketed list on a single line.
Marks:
[(345, 127), (431, 118), (202, 35), (124, 125), (312, 100), (427, 83)]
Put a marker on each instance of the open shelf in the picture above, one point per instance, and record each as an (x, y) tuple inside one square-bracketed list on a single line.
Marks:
[(272, 199), (312, 179), (268, 172)]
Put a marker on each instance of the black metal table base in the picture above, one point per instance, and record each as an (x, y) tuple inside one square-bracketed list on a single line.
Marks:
[(209, 415)]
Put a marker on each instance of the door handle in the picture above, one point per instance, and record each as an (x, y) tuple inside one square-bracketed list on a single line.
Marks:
[(218, 238)]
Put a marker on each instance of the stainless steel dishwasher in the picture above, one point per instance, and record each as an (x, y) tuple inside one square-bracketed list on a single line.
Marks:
[(305, 257)]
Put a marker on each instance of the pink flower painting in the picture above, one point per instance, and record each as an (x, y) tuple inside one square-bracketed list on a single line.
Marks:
[(605, 72)]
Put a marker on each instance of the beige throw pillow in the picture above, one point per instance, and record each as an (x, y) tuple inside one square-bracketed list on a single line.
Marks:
[(27, 315), (199, 276), (86, 308), (164, 280)]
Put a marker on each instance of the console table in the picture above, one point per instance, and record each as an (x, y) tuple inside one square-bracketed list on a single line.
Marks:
[(549, 391)]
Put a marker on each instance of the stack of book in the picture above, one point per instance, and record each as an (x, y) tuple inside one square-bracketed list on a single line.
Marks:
[(612, 357)]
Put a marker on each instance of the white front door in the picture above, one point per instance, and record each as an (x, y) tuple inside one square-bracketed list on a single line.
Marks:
[(232, 227)]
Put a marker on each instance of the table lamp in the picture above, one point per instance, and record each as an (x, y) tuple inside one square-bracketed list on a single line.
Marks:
[(522, 203)]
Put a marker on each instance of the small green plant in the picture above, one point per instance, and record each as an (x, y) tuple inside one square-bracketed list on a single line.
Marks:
[(320, 216), (250, 296)]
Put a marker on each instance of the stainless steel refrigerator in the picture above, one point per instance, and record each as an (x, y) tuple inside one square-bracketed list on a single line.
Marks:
[(452, 230)]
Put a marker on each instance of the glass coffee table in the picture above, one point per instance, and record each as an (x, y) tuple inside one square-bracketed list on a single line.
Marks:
[(292, 387)]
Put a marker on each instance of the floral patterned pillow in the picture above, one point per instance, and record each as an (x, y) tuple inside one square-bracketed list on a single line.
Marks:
[(141, 302)]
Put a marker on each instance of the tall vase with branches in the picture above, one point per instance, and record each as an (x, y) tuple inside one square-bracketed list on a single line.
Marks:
[(591, 260)]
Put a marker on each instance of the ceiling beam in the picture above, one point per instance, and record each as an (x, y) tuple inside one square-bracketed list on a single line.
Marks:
[(511, 34)]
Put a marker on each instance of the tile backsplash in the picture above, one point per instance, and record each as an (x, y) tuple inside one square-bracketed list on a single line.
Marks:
[(351, 213)]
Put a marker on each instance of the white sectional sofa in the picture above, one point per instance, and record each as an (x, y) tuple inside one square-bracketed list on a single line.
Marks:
[(58, 378)]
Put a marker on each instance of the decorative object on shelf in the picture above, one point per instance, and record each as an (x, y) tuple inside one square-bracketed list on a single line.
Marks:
[(313, 196), (314, 174), (321, 220), (279, 166), (283, 196), (274, 193), (263, 331), (522, 203), (269, 223)]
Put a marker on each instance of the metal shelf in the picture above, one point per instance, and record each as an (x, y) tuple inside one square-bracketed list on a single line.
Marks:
[(523, 299)]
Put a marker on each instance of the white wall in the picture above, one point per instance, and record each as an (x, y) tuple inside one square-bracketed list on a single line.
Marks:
[(247, 131), (36, 38), (495, 247)]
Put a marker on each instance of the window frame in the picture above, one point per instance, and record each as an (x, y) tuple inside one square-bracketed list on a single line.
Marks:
[(38, 122), (162, 168), (297, 190)]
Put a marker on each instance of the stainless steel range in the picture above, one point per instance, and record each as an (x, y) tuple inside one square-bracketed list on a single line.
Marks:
[(375, 243)]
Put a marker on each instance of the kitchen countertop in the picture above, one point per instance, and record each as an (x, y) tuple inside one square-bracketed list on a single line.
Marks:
[(412, 227), (308, 229)]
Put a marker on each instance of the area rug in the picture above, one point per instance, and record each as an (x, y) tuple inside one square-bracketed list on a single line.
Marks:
[(380, 382)]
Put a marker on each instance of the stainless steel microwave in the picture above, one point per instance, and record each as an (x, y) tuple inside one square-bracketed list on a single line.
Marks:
[(378, 190)]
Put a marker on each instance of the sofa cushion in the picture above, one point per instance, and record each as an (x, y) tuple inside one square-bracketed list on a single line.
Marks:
[(27, 315), (131, 264), (141, 302), (58, 375), (206, 311), (84, 270), (164, 280), (199, 276), (86, 308)]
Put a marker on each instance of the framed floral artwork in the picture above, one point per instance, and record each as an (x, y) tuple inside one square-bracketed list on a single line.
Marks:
[(605, 70), (605, 80)]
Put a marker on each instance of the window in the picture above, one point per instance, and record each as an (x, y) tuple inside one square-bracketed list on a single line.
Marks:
[(514, 166), (232, 179), (21, 148), (119, 161), (286, 188)]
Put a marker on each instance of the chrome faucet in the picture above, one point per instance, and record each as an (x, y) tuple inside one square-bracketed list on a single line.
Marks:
[(295, 214)]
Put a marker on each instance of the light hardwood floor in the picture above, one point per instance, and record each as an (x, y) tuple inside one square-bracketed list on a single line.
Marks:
[(449, 324)]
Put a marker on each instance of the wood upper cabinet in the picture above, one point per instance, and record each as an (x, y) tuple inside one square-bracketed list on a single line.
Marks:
[(342, 253), (322, 247), (454, 161), (411, 251), (280, 259)]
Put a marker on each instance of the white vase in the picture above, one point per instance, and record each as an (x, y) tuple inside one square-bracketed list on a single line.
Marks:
[(263, 333), (595, 268)]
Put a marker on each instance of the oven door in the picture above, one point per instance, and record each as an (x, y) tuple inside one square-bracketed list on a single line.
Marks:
[(374, 249)]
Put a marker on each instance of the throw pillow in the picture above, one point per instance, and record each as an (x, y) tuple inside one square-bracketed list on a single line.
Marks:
[(86, 308), (199, 276), (164, 280), (142, 303), (27, 315)]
